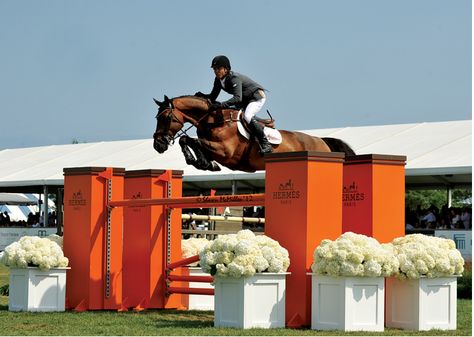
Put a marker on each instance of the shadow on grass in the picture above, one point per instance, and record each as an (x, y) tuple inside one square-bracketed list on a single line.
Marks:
[(183, 324)]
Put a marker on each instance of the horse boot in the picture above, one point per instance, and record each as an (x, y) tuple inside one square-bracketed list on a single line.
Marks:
[(257, 130)]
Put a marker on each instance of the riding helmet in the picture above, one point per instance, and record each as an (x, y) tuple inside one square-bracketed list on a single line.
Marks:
[(220, 61)]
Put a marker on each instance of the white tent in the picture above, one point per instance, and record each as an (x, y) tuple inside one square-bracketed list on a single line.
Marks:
[(16, 199), (438, 153)]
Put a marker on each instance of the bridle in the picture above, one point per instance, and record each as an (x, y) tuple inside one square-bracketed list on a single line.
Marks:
[(172, 117)]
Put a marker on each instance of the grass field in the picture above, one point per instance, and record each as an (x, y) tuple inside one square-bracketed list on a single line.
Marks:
[(170, 322)]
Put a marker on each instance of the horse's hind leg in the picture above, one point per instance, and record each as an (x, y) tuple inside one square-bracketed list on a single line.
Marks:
[(200, 161)]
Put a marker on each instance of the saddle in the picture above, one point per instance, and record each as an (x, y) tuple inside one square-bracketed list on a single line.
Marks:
[(265, 122), (272, 134)]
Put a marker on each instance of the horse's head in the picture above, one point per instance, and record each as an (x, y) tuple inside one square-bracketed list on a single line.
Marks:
[(169, 120)]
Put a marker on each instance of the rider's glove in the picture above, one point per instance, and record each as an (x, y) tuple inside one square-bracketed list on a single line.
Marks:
[(215, 106)]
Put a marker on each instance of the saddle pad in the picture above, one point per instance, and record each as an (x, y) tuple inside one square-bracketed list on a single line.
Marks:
[(273, 135)]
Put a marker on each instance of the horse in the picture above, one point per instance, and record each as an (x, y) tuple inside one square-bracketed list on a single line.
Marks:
[(218, 139)]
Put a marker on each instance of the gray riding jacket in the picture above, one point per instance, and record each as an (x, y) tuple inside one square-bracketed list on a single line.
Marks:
[(243, 89)]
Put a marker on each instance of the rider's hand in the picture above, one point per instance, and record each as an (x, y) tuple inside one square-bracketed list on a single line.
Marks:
[(200, 94)]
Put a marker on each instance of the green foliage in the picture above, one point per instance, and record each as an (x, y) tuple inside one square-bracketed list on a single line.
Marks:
[(465, 283), (4, 275), (4, 290), (461, 197), (436, 197)]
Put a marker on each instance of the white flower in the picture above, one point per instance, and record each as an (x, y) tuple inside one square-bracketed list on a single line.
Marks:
[(427, 256), (354, 255), (242, 255), (192, 247), (35, 251), (56, 238)]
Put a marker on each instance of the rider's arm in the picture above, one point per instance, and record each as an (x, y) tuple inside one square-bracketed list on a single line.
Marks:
[(216, 89), (235, 89)]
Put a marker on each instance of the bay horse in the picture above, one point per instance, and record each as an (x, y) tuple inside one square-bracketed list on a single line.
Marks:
[(219, 140)]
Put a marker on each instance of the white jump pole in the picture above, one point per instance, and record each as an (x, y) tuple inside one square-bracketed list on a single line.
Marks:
[(222, 218)]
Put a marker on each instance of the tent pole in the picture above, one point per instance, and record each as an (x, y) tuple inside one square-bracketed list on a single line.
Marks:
[(45, 205), (449, 195)]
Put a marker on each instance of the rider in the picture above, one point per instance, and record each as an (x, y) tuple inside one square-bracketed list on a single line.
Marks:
[(246, 94)]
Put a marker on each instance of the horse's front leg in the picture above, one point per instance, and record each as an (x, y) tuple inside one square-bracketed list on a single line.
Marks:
[(200, 160), (188, 155)]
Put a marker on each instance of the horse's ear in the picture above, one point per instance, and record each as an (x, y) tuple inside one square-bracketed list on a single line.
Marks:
[(157, 102)]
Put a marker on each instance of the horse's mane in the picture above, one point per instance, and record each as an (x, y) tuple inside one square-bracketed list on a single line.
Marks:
[(196, 101), (193, 97)]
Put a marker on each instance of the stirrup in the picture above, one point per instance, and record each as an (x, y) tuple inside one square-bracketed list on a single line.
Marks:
[(267, 148)]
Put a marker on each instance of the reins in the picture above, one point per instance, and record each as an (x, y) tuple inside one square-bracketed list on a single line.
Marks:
[(232, 117)]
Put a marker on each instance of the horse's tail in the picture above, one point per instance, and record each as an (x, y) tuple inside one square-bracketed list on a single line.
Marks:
[(337, 145)]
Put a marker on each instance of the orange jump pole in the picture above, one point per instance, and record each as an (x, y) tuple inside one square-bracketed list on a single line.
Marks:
[(145, 241), (93, 246), (374, 196), (302, 207)]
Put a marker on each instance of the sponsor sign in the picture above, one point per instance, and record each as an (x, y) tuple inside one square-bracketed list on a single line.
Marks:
[(352, 195), (286, 192), (463, 240), (77, 201), (12, 234)]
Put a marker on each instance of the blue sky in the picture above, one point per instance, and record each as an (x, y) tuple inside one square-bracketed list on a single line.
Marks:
[(88, 69)]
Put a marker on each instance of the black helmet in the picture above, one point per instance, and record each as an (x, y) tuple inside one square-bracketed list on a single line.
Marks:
[(220, 61)]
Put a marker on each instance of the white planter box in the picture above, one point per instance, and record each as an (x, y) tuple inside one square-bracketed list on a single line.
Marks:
[(423, 304), (347, 303), (250, 302), (32, 289), (200, 302)]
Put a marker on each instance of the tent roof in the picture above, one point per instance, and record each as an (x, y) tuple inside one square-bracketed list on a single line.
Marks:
[(15, 199), (438, 153)]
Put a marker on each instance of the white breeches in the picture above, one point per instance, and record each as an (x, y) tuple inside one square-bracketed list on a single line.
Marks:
[(253, 108)]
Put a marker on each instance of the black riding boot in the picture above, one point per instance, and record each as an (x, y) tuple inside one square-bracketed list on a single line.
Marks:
[(257, 130)]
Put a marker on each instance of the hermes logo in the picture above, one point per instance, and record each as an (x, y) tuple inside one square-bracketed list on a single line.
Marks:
[(138, 195), (77, 199), (351, 195), (286, 192)]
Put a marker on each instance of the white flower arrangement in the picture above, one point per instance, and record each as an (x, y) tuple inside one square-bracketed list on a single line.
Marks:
[(193, 246), (427, 256), (56, 238), (354, 255), (242, 255), (34, 251)]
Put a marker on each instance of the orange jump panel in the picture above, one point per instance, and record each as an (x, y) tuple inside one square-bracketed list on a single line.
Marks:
[(374, 196), (85, 237), (145, 241), (302, 207)]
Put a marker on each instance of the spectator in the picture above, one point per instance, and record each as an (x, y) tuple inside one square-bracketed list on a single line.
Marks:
[(466, 218), (6, 218), (411, 219), (41, 220), (31, 219), (429, 218), (456, 221), (51, 219)]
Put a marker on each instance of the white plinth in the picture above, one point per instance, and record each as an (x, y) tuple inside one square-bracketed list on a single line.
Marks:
[(32, 289), (347, 303), (250, 302), (200, 302), (422, 304)]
